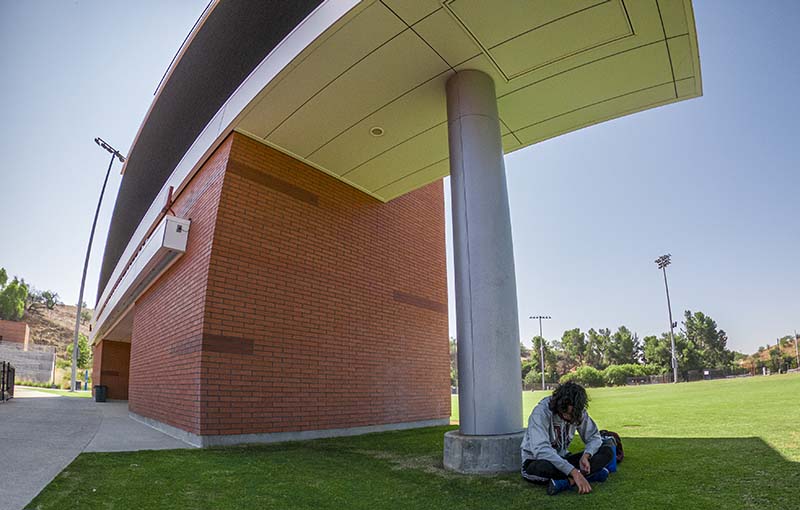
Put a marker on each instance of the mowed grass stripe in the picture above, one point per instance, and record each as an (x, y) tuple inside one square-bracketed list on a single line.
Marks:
[(728, 443), (765, 407)]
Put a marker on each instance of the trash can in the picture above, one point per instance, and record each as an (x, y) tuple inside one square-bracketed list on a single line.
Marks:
[(100, 393)]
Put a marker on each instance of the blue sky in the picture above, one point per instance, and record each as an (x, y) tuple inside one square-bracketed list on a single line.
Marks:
[(714, 181)]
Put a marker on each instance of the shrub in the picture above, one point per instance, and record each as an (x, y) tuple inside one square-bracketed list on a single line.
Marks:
[(617, 375), (34, 384), (531, 378), (585, 376)]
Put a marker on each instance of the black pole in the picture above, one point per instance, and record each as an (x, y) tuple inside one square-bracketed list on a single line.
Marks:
[(83, 278)]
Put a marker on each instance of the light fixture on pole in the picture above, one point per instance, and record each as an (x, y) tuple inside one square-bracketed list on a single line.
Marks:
[(541, 342), (114, 155), (662, 262)]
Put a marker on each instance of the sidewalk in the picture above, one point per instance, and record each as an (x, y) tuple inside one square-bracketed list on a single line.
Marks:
[(41, 433)]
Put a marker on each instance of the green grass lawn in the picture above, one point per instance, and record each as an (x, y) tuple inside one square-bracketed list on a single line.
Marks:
[(63, 393), (719, 444)]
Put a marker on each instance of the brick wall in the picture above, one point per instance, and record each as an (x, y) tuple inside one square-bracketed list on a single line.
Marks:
[(325, 308), (300, 304), (168, 319), (17, 332), (111, 361)]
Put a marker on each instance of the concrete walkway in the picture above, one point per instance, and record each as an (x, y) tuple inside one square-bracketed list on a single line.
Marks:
[(41, 433)]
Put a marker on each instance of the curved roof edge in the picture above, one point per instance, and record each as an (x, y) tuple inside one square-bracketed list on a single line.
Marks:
[(199, 81)]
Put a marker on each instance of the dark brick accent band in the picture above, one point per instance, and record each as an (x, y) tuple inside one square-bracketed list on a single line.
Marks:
[(227, 344), (419, 302), (252, 174)]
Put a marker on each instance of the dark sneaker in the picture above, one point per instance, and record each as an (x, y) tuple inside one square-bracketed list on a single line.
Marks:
[(556, 486), (600, 476)]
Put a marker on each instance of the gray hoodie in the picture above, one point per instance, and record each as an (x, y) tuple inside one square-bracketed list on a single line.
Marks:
[(548, 436)]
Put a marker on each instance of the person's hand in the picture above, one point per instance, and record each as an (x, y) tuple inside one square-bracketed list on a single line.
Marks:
[(586, 468), (580, 482)]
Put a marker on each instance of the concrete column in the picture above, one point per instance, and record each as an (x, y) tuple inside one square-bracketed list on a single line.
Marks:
[(490, 387)]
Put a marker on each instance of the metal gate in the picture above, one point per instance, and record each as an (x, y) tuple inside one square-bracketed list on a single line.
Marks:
[(6, 380)]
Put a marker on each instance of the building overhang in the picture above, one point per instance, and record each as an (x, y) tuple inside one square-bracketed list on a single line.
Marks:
[(357, 89), (381, 69)]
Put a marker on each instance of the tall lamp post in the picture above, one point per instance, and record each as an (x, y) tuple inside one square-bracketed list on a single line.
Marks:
[(541, 342), (662, 262), (114, 155)]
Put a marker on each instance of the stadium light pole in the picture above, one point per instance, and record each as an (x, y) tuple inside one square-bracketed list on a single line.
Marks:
[(541, 342), (114, 155), (662, 262)]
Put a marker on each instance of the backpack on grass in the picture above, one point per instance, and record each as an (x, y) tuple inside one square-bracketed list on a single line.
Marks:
[(607, 434)]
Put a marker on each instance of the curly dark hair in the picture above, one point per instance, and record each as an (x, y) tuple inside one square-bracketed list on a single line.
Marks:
[(570, 394)]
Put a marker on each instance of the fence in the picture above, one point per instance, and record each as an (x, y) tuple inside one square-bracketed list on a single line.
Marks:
[(648, 379), (6, 380), (708, 374)]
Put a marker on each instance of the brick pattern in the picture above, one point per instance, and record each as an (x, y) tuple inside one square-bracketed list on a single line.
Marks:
[(167, 335), (334, 303), (16, 332), (111, 361), (301, 304)]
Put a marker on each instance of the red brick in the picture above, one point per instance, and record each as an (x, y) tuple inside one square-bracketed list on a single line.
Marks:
[(16, 332), (300, 304)]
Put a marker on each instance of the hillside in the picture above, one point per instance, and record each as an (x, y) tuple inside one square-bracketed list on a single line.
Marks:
[(788, 350), (54, 327)]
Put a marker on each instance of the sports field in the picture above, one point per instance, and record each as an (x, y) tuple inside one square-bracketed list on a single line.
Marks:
[(717, 444)]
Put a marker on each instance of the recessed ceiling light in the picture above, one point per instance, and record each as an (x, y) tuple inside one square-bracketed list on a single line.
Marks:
[(376, 131)]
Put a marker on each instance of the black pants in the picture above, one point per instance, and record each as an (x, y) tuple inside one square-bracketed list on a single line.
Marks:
[(543, 470)]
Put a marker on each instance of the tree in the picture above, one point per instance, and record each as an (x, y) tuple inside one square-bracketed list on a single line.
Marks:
[(528, 367), (775, 359), (701, 330), (524, 352), (573, 341), (50, 299), (34, 299), (12, 297), (550, 358), (624, 347), (658, 351), (84, 352), (596, 347), (738, 356)]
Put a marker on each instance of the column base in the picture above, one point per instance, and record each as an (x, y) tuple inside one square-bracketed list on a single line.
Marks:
[(482, 455)]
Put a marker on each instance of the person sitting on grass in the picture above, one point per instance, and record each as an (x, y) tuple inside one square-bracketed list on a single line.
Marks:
[(545, 447)]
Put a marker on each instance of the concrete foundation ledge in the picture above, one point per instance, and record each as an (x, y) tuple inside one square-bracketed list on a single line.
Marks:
[(482, 455), (204, 441)]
